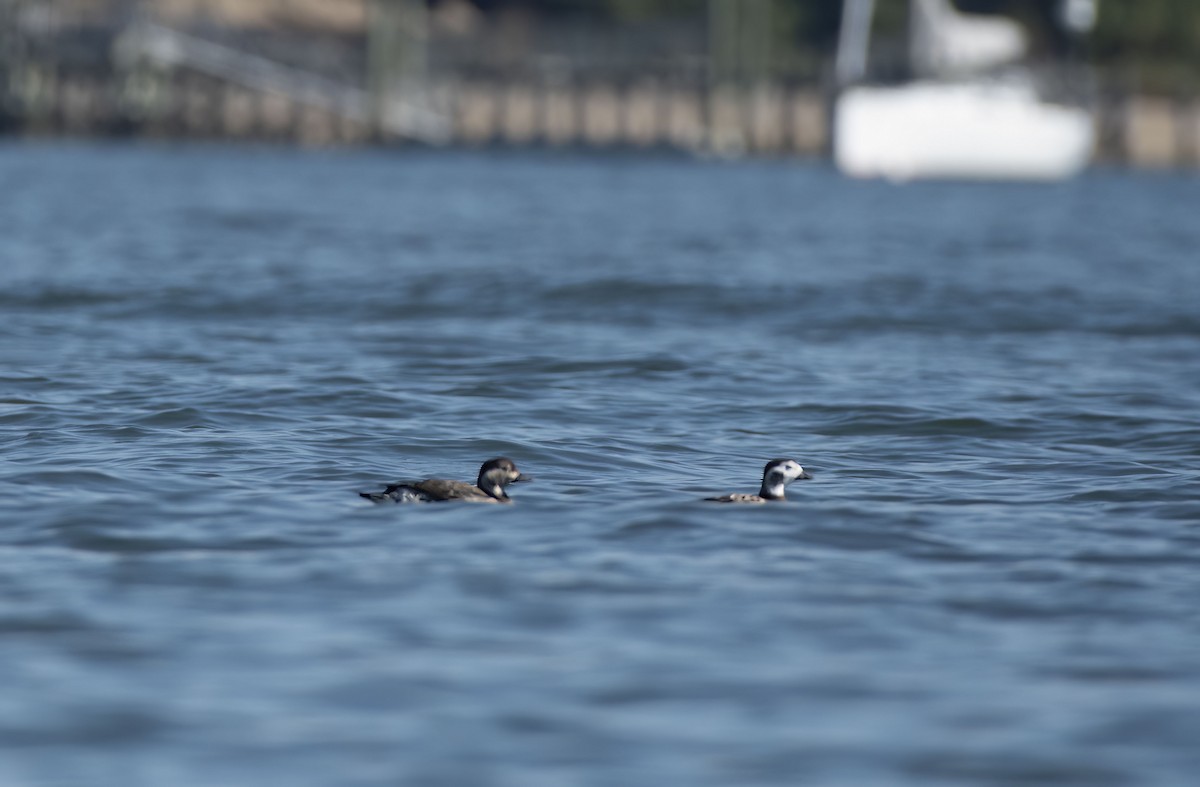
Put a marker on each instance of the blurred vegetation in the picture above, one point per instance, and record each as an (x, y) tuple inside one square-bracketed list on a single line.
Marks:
[(1153, 44), (1148, 45)]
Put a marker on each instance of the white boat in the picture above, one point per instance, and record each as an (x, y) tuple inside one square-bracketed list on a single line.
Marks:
[(961, 117)]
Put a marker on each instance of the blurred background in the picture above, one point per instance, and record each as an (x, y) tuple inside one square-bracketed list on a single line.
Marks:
[(724, 76), (257, 256)]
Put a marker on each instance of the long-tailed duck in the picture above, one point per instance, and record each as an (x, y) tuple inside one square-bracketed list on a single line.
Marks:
[(489, 488), (776, 475)]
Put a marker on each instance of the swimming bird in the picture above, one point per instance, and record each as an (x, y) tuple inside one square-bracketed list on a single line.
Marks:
[(776, 475), (489, 488)]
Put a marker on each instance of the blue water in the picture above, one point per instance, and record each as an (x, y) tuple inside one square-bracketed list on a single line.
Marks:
[(993, 579)]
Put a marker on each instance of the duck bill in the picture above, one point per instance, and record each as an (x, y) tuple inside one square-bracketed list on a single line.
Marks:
[(805, 476), (522, 477)]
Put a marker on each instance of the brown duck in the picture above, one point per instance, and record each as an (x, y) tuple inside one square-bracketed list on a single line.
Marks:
[(489, 488)]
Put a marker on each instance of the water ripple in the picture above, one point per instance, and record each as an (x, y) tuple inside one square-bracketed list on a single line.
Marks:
[(991, 578)]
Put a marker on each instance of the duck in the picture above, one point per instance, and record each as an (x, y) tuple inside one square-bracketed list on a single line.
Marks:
[(494, 475), (776, 476)]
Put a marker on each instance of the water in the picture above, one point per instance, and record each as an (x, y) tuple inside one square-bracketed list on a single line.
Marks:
[(204, 353)]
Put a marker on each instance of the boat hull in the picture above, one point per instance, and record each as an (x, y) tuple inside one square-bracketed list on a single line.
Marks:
[(959, 131)]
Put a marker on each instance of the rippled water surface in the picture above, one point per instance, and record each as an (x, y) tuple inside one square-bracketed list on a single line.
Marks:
[(993, 579)]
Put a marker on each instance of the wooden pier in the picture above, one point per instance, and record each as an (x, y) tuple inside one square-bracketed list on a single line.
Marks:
[(160, 83)]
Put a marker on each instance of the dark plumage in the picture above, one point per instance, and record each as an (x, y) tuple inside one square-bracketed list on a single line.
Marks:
[(494, 475)]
